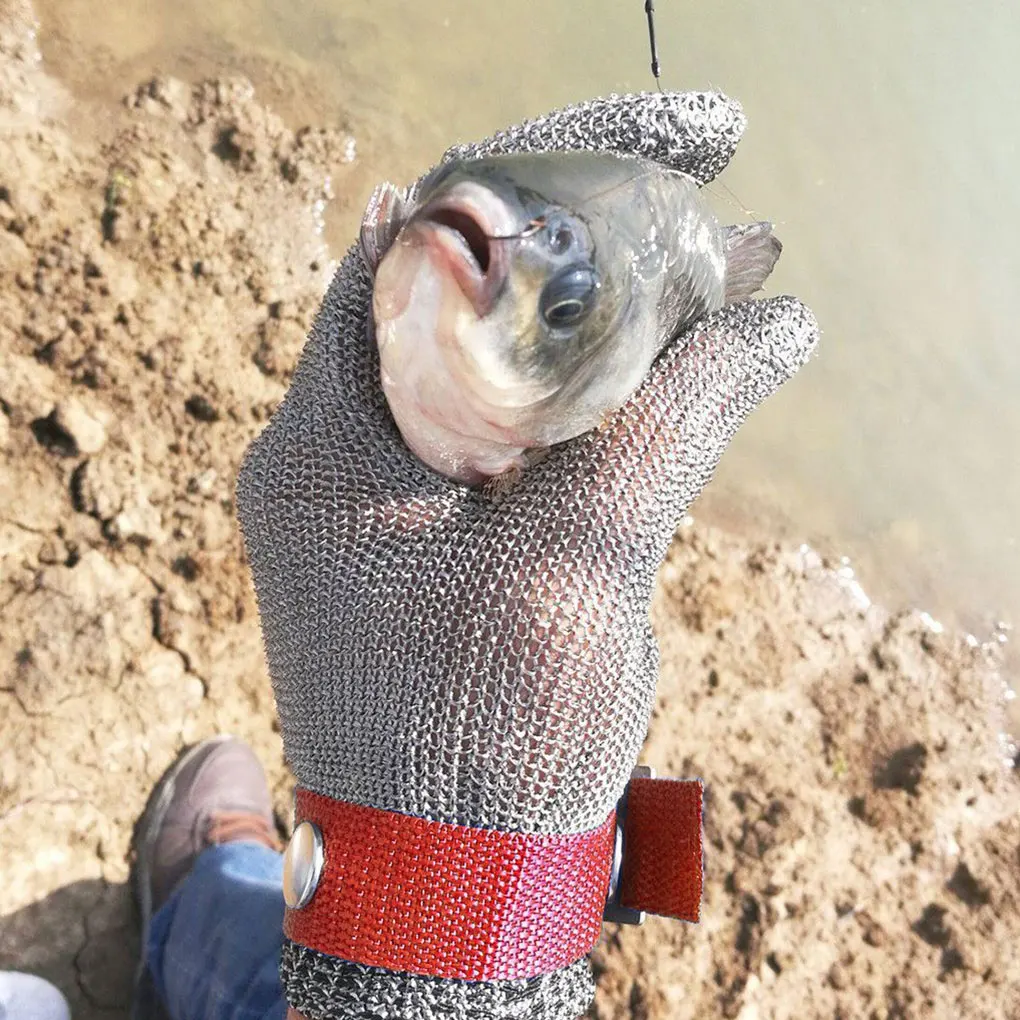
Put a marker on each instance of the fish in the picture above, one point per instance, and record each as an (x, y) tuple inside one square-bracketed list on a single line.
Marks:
[(519, 300)]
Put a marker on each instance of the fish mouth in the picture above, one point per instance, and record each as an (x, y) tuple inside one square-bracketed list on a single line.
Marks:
[(468, 230)]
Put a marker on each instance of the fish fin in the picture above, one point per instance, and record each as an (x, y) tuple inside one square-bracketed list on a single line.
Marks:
[(387, 211), (497, 487), (752, 251)]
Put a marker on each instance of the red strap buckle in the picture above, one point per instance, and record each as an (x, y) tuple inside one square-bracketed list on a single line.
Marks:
[(451, 901), (658, 866)]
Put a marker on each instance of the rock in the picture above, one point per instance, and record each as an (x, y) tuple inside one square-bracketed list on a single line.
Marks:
[(52, 551), (204, 483), (98, 486), (280, 344), (26, 387), (139, 521), (241, 146), (173, 95), (838, 976), (111, 489), (74, 634), (13, 250), (201, 409), (176, 625), (32, 495), (85, 427)]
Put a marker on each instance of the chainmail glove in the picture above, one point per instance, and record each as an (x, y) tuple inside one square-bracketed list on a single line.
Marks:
[(487, 662)]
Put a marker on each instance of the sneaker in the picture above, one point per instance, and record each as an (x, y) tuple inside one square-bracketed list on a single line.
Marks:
[(216, 792)]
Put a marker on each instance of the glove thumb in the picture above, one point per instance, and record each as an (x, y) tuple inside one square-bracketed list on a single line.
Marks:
[(664, 445)]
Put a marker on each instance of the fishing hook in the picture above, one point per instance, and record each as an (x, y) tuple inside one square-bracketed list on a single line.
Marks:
[(650, 14)]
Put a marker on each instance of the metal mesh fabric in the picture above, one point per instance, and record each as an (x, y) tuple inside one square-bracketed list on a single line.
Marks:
[(319, 986), (696, 132), (477, 661)]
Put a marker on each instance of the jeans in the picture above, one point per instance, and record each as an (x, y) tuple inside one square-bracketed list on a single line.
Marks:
[(213, 948)]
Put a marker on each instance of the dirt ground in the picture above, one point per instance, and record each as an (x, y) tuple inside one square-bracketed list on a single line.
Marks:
[(159, 265)]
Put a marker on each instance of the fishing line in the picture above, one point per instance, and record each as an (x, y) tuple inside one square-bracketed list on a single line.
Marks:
[(657, 73), (540, 222), (730, 197)]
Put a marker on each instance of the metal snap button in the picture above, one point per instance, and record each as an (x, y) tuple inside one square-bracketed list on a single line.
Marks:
[(302, 865)]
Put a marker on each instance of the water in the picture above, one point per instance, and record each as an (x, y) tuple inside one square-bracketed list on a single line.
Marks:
[(880, 139)]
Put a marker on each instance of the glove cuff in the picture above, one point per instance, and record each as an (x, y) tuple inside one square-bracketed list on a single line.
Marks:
[(414, 896), (320, 987), (385, 909)]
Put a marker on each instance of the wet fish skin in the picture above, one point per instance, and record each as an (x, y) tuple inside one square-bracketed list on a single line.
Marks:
[(477, 266)]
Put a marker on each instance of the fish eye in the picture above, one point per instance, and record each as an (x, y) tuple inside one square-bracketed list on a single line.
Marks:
[(560, 239), (568, 297)]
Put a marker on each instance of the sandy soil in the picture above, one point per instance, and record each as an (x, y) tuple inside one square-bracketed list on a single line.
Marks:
[(159, 265)]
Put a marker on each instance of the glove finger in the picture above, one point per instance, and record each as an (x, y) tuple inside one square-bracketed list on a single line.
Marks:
[(655, 455), (695, 132)]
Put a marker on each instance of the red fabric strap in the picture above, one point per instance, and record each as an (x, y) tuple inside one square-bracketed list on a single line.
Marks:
[(662, 869), (451, 901)]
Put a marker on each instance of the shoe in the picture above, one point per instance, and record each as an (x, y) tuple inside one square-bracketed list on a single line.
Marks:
[(216, 792)]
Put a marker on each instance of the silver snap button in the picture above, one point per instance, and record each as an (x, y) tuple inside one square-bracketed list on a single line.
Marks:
[(302, 865)]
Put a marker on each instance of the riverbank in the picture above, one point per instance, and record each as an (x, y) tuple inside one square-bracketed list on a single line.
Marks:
[(159, 265)]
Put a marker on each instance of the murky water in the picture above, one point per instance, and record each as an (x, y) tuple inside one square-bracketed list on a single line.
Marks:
[(881, 139)]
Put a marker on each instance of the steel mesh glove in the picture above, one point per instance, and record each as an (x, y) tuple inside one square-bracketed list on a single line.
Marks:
[(487, 662)]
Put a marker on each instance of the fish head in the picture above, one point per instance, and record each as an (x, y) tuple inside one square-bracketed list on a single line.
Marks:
[(506, 282)]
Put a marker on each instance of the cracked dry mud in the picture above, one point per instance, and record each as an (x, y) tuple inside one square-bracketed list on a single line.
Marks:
[(157, 277)]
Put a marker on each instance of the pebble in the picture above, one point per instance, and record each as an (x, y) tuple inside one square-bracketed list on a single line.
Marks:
[(838, 977), (204, 483), (141, 520), (201, 409), (85, 428)]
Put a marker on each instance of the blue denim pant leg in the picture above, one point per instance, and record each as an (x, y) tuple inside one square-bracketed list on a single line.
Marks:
[(214, 947)]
